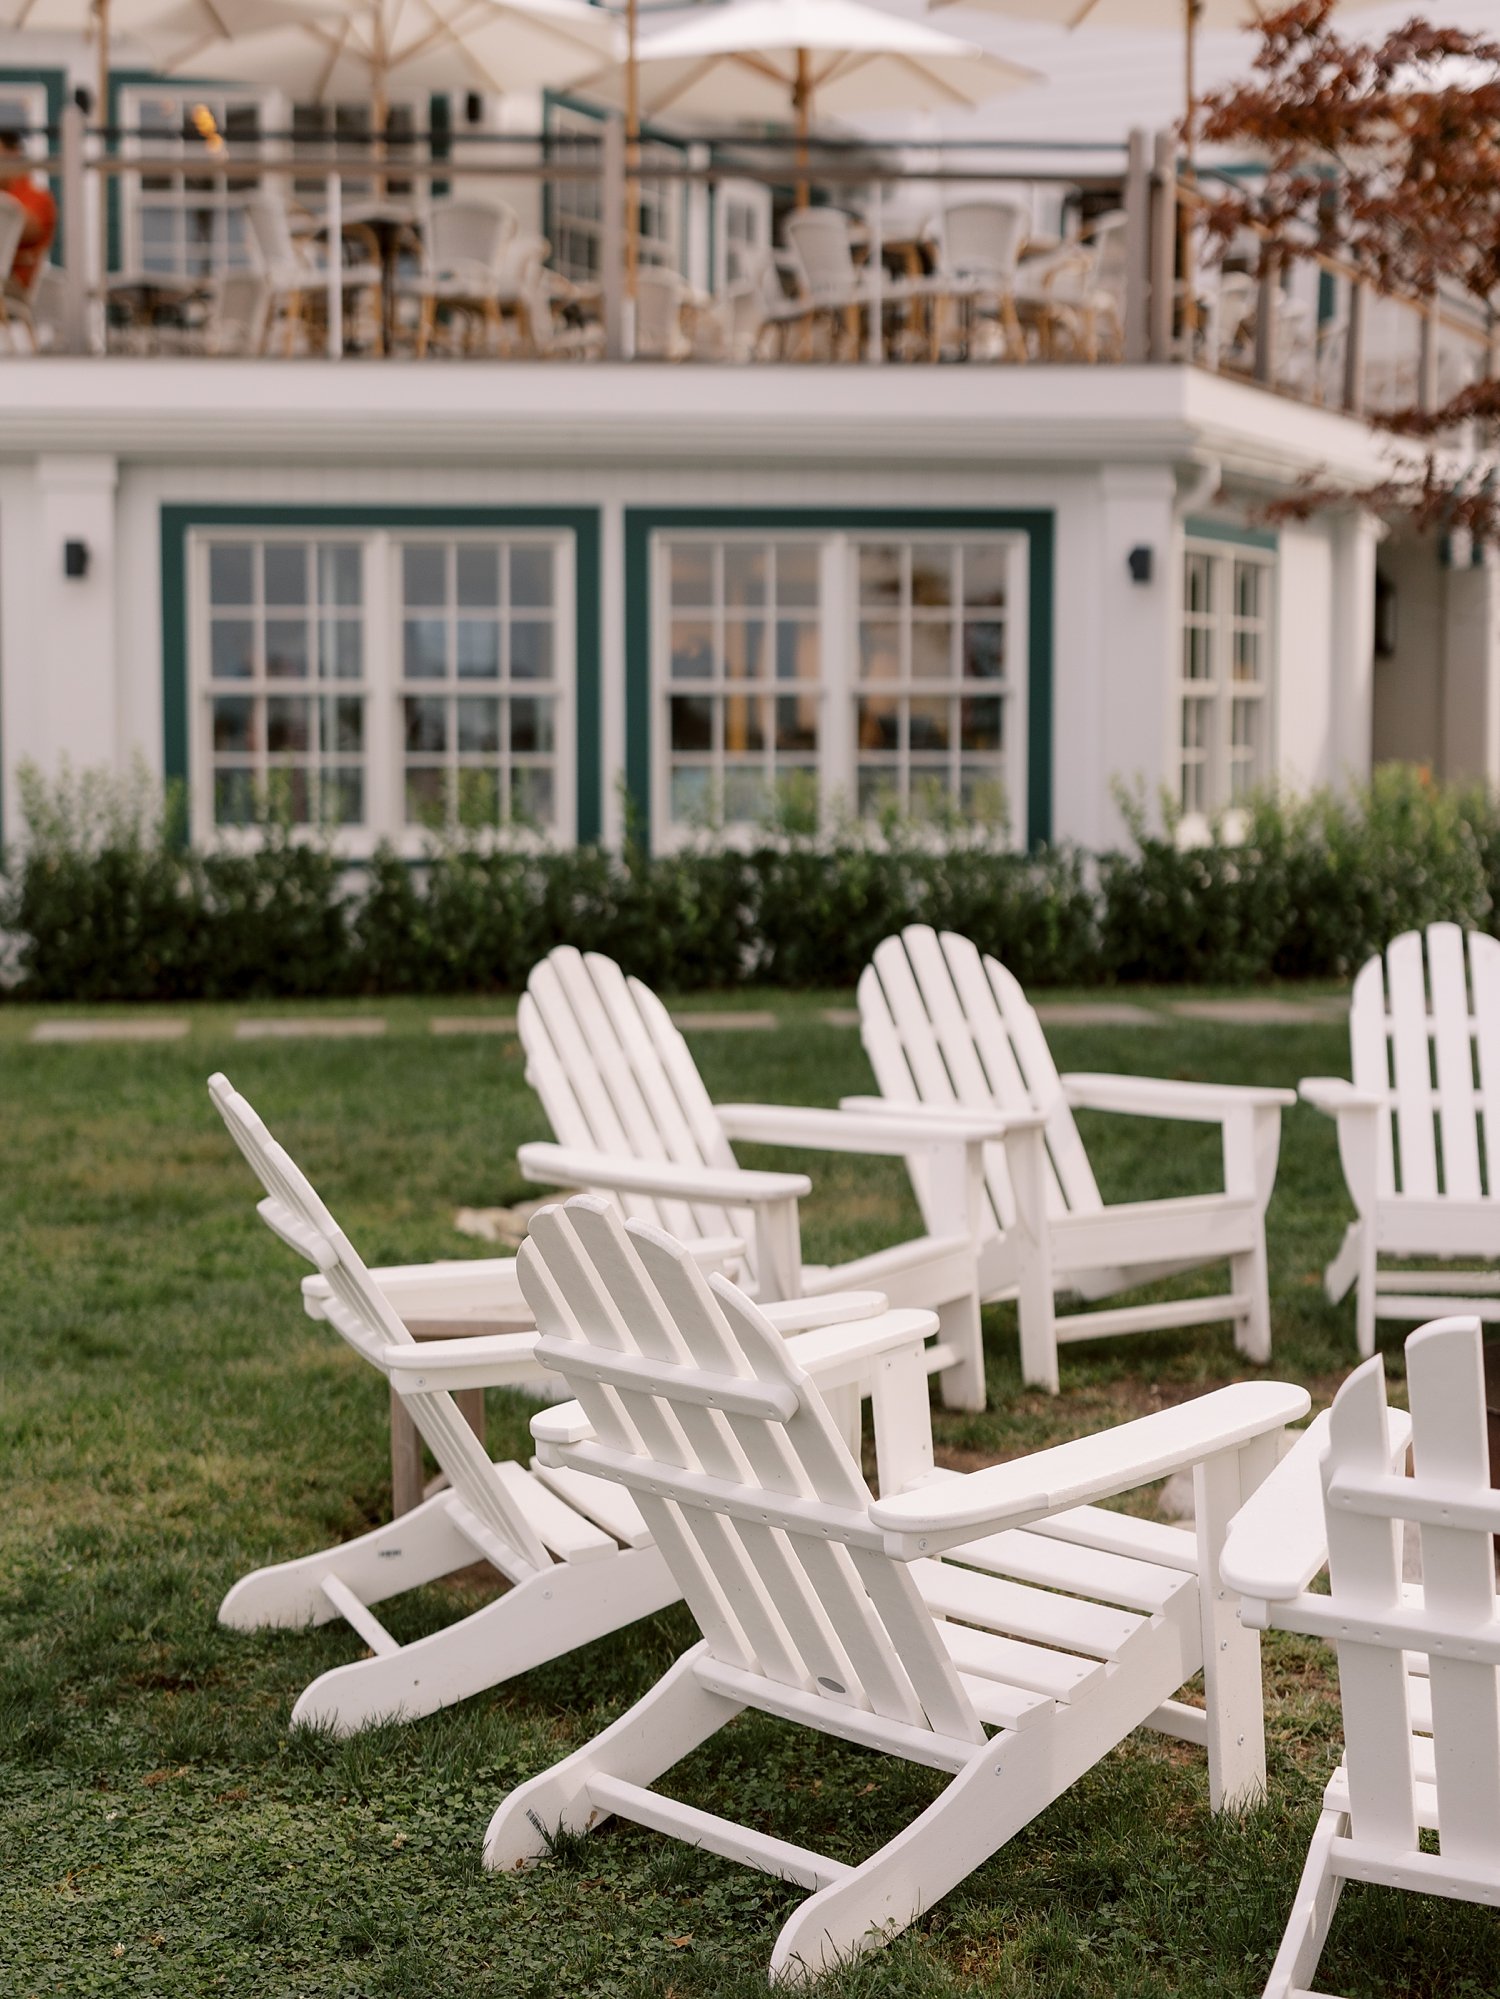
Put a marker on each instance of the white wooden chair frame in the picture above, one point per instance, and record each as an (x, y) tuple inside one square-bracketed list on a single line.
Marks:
[(949, 1031), (577, 1556), (824, 1608), (634, 1120), (1419, 1663), (1408, 1020)]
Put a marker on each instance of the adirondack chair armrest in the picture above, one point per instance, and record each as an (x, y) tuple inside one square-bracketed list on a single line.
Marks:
[(725, 1186), (1164, 1097), (494, 1360), (832, 1356), (1336, 1097), (466, 1286), (1278, 1541), (887, 1130), (939, 1122), (791, 1316), (930, 1518)]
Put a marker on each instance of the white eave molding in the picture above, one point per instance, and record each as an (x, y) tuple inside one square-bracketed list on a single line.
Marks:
[(642, 413)]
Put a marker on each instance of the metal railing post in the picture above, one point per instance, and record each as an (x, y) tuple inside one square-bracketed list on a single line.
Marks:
[(874, 345), (612, 237), (333, 216), (1137, 327), (1163, 247), (1266, 292), (1354, 350), (71, 137)]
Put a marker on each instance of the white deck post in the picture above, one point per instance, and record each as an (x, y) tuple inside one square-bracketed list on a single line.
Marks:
[(612, 239), (333, 203), (75, 231), (1137, 250)]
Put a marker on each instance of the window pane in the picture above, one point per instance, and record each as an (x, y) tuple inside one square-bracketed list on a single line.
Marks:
[(531, 729), (879, 574), (932, 575), (478, 575), (234, 798), (339, 573), (478, 648), (344, 724), (426, 798), (980, 725), (530, 650), (879, 722), (530, 578), (478, 797), (1247, 589), (231, 649), (744, 723), (797, 574), (692, 722), (692, 651), (424, 573), (286, 573), (879, 789), (797, 655), (425, 648), (234, 723), (880, 652), (984, 652), (796, 723), (984, 572), (744, 649), (746, 795), (342, 645), (288, 724), (479, 726), (744, 575), (928, 722), (231, 573), (344, 797), (426, 723), (690, 794), (692, 573), (286, 648), (932, 651)]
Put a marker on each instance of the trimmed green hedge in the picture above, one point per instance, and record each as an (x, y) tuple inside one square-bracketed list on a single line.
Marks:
[(105, 902)]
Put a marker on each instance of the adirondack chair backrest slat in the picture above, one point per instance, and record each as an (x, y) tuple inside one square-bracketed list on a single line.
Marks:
[(615, 1076), (764, 1495), (1445, 1379), (362, 1315), (1424, 1029), (943, 1025)]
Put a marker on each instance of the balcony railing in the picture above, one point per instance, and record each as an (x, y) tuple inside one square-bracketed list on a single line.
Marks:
[(565, 247)]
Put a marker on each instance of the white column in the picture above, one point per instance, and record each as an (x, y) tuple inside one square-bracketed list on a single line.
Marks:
[(1356, 537), (71, 704)]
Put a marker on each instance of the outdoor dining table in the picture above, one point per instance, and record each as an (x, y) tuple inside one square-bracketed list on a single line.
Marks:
[(395, 224), (154, 302)]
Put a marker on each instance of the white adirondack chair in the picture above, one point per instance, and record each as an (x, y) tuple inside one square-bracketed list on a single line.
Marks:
[(821, 1607), (1408, 1022), (947, 1030), (576, 1554), (634, 1120), (1419, 1664)]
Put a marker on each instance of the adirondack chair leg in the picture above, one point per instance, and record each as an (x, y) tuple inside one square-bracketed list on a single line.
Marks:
[(1248, 1273), (960, 1330), (568, 1605), (664, 1726), (1027, 1160), (1344, 1268), (1252, 1143), (845, 1408), (1364, 1296), (1312, 1912), (1231, 1651), (417, 1548)]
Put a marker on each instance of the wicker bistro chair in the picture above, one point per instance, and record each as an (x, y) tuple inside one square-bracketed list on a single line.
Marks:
[(295, 270), (834, 291), (978, 248), (464, 274), (1074, 296)]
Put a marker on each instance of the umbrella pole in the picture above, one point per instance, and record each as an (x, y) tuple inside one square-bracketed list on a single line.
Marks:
[(101, 114), (802, 105), (1188, 237), (632, 148)]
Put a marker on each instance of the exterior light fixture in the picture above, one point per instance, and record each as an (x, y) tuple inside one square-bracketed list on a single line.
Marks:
[(1139, 563), (75, 559)]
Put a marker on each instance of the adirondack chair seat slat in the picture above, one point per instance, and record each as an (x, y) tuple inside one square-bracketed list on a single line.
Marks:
[(1419, 1125), (950, 1033), (809, 1612), (1419, 1663), (634, 1122), (608, 1506)]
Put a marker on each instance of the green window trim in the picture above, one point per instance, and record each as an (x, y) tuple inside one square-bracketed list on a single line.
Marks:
[(177, 522), (1198, 527), (641, 523)]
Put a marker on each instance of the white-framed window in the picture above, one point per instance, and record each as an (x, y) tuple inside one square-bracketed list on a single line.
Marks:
[(23, 109), (189, 221), (855, 672), (1226, 676), (382, 684), (319, 131), (742, 231), (575, 228)]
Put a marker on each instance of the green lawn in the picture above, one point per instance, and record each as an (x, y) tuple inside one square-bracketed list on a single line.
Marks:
[(169, 1420)]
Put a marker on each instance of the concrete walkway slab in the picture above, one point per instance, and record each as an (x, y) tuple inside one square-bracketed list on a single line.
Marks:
[(1261, 1012), (108, 1030), (314, 1027), (840, 1016), (728, 1022), (473, 1023), (1096, 1013)]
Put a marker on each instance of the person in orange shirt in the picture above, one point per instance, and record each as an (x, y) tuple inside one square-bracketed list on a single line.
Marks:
[(41, 212)]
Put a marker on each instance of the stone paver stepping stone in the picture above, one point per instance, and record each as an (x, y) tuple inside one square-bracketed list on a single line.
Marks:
[(1261, 1012), (841, 1016), (1096, 1013), (474, 1023), (316, 1027), (109, 1030), (737, 1023)]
